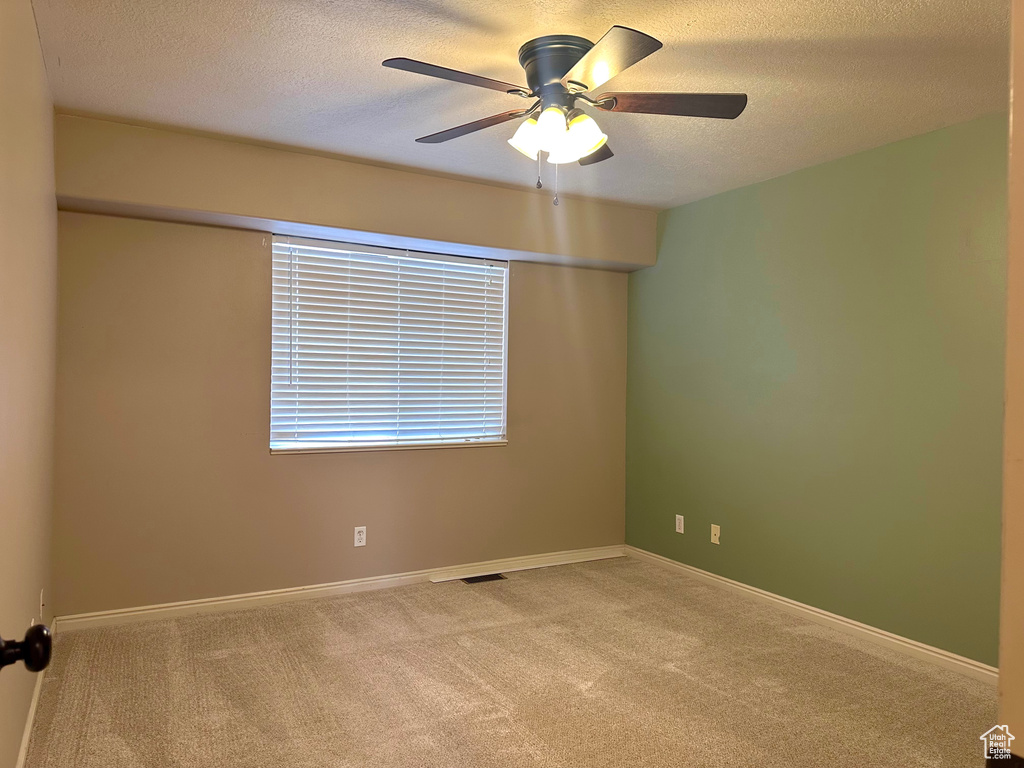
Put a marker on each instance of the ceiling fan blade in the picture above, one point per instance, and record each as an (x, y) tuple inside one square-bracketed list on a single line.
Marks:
[(432, 70), (476, 125), (621, 47), (726, 106), (597, 156)]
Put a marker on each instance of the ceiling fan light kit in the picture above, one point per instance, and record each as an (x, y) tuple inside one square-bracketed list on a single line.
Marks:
[(526, 139), (561, 71), (551, 127)]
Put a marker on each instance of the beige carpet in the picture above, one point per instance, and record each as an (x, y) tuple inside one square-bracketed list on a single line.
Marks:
[(615, 663)]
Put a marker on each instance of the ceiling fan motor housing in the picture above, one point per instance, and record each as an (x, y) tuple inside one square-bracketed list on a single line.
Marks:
[(546, 60)]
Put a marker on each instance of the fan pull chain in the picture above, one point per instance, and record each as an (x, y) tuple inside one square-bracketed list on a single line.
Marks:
[(539, 185), (555, 202)]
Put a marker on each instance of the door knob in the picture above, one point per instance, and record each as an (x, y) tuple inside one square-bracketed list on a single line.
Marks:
[(34, 650)]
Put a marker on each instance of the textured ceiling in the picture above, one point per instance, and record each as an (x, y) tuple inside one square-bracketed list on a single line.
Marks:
[(825, 78)]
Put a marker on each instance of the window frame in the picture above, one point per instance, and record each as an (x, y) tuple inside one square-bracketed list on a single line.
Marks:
[(404, 253)]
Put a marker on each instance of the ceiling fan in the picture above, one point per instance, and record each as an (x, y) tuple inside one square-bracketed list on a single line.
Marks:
[(564, 69)]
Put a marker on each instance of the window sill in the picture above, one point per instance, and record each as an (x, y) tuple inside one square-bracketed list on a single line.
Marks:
[(417, 447)]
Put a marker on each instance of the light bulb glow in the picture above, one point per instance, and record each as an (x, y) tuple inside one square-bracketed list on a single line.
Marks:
[(582, 138), (551, 128), (600, 75), (527, 138)]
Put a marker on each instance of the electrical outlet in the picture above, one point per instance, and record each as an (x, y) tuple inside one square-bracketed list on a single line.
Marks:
[(716, 533), (360, 536), (679, 523)]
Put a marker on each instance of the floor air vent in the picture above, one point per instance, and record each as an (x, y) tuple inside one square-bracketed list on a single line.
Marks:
[(485, 577)]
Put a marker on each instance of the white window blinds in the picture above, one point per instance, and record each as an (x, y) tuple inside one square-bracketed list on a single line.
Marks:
[(376, 348)]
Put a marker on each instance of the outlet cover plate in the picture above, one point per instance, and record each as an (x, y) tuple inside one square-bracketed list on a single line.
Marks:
[(716, 533), (360, 536), (679, 523)]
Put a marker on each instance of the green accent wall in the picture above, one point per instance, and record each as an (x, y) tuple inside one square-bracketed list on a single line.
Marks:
[(816, 365)]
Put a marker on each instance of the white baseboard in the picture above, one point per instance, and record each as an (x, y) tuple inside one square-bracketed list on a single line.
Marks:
[(914, 648), (937, 656), (527, 562), (29, 720), (253, 599)]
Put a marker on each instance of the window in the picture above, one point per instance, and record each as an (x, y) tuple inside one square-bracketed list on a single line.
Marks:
[(384, 348)]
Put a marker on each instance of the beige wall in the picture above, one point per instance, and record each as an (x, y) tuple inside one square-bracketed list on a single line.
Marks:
[(110, 167), (27, 318), (166, 490), (1011, 618)]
